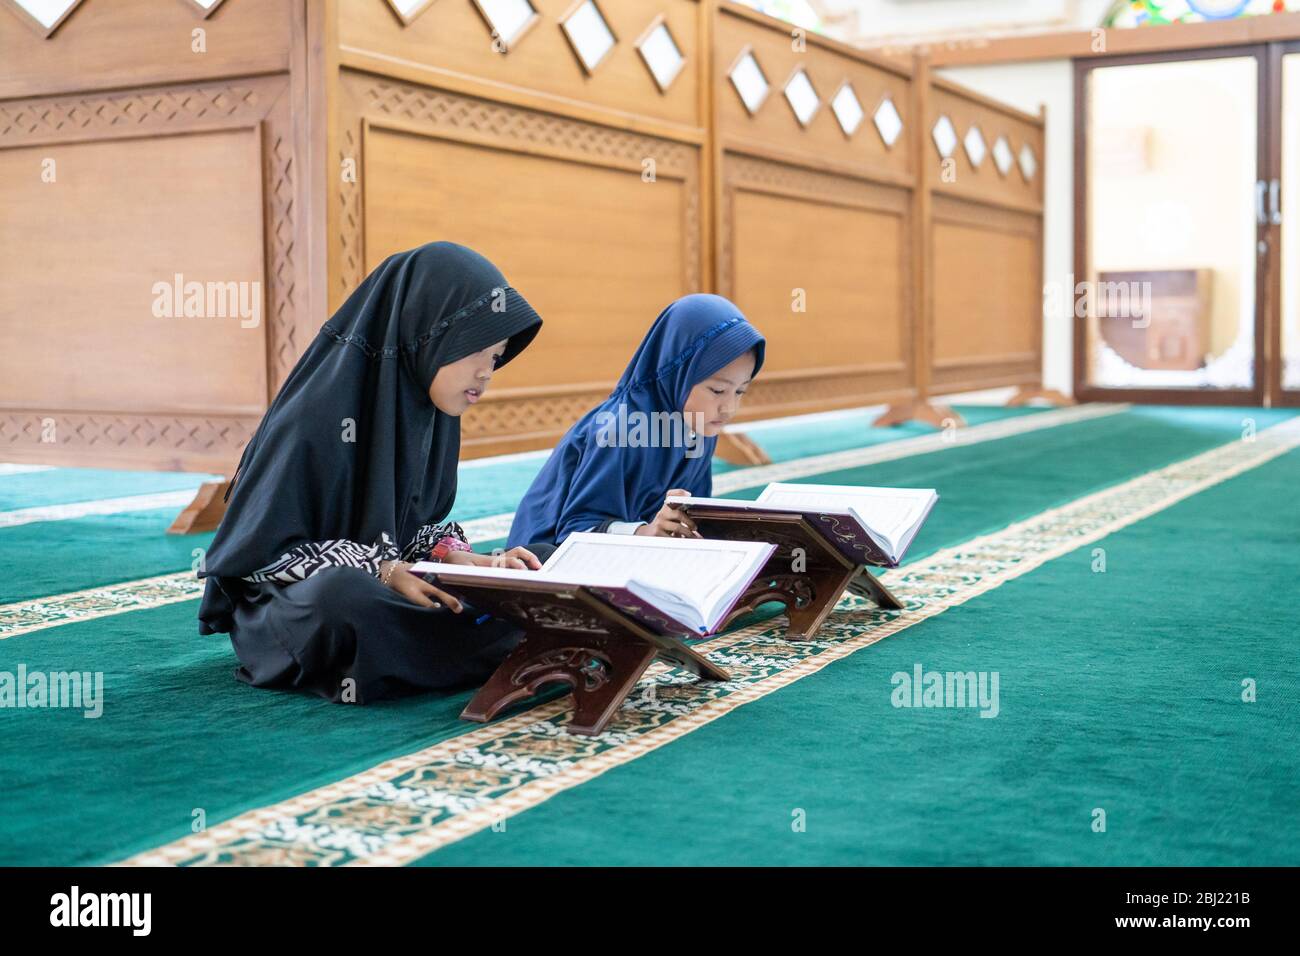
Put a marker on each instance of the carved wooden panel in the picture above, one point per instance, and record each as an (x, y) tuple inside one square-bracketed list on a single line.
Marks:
[(987, 296), (986, 241), (164, 442), (140, 220), (117, 369), (600, 227), (451, 40), (779, 51), (829, 288), (121, 44), (1017, 183)]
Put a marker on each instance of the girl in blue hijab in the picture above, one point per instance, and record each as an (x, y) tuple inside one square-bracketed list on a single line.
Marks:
[(654, 435)]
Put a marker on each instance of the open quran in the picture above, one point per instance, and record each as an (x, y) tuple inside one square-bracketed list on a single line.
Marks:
[(600, 611), (674, 586), (872, 526)]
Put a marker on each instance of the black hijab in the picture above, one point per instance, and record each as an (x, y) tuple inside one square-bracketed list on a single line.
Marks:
[(352, 445)]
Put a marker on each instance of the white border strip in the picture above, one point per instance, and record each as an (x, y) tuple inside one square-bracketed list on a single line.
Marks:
[(99, 506)]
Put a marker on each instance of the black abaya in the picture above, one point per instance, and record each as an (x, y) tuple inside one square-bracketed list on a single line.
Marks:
[(343, 635), (351, 465)]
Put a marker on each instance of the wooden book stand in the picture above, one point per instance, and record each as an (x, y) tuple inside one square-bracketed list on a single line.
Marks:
[(598, 641), (809, 570)]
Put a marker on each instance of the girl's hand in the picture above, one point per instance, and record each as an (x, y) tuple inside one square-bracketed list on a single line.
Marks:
[(520, 558), (670, 522), (397, 575), (516, 557)]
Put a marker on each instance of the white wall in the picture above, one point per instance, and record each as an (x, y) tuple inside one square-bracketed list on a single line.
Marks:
[(1026, 86)]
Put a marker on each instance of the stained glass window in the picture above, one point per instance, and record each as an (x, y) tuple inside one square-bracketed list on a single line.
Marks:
[(1151, 13)]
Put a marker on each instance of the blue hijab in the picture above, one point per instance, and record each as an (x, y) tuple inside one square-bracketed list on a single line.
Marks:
[(591, 477)]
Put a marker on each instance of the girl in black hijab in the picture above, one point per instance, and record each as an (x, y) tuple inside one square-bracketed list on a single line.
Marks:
[(346, 480)]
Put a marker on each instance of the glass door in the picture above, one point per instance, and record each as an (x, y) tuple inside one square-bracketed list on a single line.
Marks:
[(1171, 249)]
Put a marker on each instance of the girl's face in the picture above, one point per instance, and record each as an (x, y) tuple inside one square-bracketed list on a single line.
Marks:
[(714, 401), (461, 384)]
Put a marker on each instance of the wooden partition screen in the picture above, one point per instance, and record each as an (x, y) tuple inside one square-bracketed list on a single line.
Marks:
[(982, 305), (564, 160), (153, 284), (814, 193), (188, 190)]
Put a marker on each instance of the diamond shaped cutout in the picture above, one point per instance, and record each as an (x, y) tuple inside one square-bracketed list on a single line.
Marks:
[(848, 111), (662, 57), (1028, 162), (1002, 157), (205, 7), (406, 10), (589, 34), (748, 79), (508, 20), (976, 148), (44, 16), (801, 96), (945, 137), (888, 123)]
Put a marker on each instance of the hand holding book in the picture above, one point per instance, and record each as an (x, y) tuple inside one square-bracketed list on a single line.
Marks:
[(519, 558), (671, 521), (397, 576)]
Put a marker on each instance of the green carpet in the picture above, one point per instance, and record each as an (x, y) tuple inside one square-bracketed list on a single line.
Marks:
[(1118, 690), (51, 557), (179, 734)]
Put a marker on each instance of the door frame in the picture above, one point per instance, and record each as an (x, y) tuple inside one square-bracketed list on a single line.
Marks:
[(1277, 395), (1264, 264)]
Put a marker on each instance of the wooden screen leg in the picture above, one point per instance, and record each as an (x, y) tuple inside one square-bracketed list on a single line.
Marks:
[(1026, 394), (204, 512), (867, 585), (940, 416), (737, 448), (600, 671)]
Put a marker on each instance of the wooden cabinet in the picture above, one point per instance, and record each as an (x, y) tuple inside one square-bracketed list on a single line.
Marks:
[(1157, 319)]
